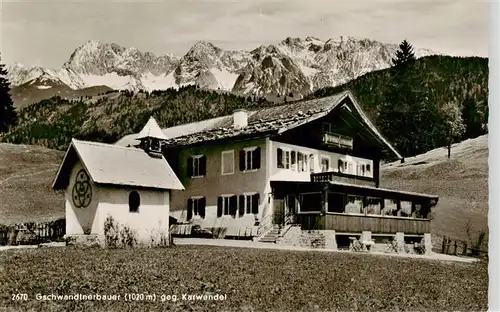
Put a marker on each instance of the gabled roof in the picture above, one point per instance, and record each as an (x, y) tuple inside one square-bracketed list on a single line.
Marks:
[(151, 130), (265, 121), (115, 165)]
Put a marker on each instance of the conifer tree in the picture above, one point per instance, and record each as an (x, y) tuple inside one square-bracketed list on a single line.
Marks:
[(404, 55), (8, 115)]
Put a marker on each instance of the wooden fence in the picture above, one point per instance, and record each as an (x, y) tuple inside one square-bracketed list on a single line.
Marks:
[(32, 233), (456, 247)]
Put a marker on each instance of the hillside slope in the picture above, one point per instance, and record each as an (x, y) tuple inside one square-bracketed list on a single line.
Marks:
[(26, 175), (461, 183)]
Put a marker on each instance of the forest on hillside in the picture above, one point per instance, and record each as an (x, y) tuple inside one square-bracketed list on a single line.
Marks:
[(53, 122), (436, 100)]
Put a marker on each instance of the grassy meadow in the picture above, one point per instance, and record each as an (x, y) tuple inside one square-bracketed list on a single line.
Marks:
[(252, 279)]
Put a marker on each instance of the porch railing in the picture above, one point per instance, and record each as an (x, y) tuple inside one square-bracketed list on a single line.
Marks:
[(358, 223), (265, 224)]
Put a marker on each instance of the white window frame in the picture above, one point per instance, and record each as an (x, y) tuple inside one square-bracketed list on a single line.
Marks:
[(249, 152), (302, 165), (311, 162), (287, 158), (222, 162), (248, 195), (193, 199), (329, 162), (226, 197), (196, 165)]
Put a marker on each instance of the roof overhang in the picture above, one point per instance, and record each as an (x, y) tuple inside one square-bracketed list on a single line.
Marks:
[(369, 125), (354, 189), (61, 180)]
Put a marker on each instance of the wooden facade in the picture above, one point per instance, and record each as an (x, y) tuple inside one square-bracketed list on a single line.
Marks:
[(344, 223), (322, 218)]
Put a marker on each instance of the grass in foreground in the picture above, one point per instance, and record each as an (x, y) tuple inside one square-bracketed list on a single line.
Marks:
[(253, 279)]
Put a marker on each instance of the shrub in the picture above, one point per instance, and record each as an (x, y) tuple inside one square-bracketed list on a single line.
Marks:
[(111, 232), (128, 236)]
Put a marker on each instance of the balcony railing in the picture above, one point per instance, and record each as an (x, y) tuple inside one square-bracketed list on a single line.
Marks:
[(322, 177), (333, 139)]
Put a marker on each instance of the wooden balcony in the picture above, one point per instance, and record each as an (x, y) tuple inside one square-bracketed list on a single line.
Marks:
[(337, 140), (342, 177), (345, 223)]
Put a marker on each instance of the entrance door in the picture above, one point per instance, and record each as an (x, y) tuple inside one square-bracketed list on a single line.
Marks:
[(291, 208), (279, 209)]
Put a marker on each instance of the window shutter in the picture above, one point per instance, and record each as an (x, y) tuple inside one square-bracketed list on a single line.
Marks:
[(280, 158), (242, 160), (219, 206), (256, 158), (190, 167), (255, 203), (203, 165), (233, 205), (202, 206), (190, 209), (241, 206)]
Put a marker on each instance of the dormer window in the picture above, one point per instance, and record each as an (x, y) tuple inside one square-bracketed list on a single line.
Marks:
[(155, 145), (151, 137)]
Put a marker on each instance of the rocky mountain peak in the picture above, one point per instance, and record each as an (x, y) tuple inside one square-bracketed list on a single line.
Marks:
[(293, 65)]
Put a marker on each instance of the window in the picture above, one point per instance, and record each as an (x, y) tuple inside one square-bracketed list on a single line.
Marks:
[(197, 166), (227, 205), (283, 159), (279, 161), (134, 201), (310, 202), (327, 127), (390, 207), (368, 169), (405, 208), (341, 165), (336, 202), (361, 169), (373, 206), (227, 162), (250, 159), (196, 207), (302, 161), (287, 159), (354, 205), (155, 145), (325, 164), (249, 204), (311, 162), (293, 160)]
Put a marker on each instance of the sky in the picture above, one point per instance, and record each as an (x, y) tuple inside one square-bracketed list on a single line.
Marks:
[(45, 33)]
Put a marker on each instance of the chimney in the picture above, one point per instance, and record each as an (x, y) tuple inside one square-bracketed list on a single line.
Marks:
[(240, 118)]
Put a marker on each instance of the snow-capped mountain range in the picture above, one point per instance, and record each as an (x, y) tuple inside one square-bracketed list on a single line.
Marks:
[(294, 65)]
